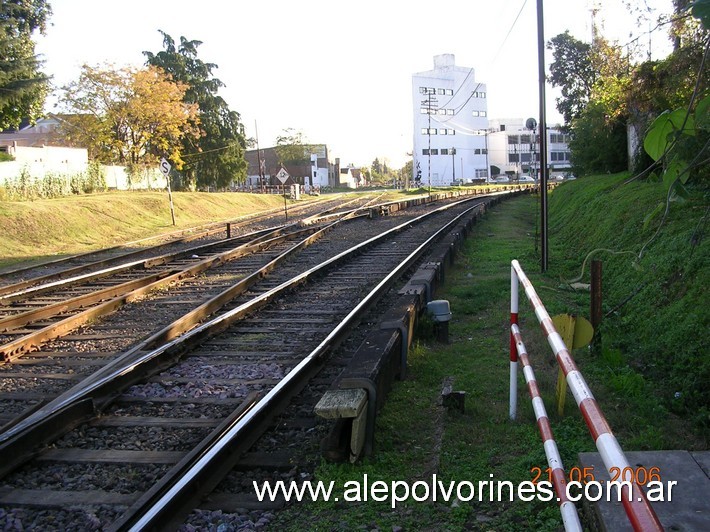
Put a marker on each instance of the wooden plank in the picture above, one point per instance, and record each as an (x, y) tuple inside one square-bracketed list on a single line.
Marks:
[(225, 382), (343, 403), (281, 460), (38, 376), (24, 396), (144, 421), (110, 456), (186, 400), (44, 498)]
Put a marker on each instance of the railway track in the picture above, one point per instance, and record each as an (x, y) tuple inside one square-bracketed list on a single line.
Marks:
[(15, 279), (146, 413), (42, 308)]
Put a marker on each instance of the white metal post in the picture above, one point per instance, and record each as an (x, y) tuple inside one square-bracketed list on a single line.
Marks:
[(513, 347)]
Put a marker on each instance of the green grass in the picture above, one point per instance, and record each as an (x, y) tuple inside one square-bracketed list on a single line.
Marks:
[(51, 228), (650, 378), (415, 438)]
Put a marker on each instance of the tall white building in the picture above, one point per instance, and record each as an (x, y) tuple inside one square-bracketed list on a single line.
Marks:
[(450, 124)]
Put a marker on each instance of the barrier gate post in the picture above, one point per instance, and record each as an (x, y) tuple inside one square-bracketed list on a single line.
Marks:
[(636, 505), (513, 346)]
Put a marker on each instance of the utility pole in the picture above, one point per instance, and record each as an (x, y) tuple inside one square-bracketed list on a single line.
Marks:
[(428, 102), (543, 137), (453, 165), (258, 157)]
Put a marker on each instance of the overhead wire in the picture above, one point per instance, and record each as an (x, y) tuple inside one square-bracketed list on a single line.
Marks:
[(459, 108)]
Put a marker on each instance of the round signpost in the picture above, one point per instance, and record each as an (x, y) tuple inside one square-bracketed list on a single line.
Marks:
[(165, 170)]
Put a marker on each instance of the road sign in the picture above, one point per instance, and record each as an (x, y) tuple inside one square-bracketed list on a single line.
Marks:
[(282, 176), (165, 167), (165, 170)]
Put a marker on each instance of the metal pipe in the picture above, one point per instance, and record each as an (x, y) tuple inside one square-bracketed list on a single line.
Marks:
[(638, 510), (570, 518)]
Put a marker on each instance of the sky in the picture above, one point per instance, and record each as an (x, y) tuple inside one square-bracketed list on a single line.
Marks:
[(340, 71)]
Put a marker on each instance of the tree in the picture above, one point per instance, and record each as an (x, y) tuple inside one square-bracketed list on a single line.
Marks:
[(23, 88), (572, 70), (595, 80), (216, 156), (292, 148), (376, 168), (127, 116), (598, 142)]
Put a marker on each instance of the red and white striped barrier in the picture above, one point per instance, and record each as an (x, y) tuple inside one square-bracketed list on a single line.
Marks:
[(513, 348), (570, 519), (638, 510)]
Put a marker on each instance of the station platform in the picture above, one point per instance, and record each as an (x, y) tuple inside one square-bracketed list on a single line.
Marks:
[(689, 506)]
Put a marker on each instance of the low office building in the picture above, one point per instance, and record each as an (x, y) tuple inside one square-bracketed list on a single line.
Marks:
[(514, 149)]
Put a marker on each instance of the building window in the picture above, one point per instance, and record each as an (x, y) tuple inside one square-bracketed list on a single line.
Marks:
[(513, 139), (479, 94), (484, 113), (440, 91), (425, 151), (449, 111), (427, 90), (525, 157), (481, 173), (475, 113), (513, 158), (502, 127), (444, 151), (424, 131), (451, 131), (525, 139), (434, 151), (443, 131), (559, 156)]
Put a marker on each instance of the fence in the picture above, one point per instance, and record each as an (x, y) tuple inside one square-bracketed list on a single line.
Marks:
[(637, 508)]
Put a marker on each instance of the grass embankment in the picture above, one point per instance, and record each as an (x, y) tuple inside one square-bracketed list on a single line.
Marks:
[(650, 379), (44, 229), (50, 228), (415, 438)]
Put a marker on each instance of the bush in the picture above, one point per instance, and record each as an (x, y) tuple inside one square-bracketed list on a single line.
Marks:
[(53, 185)]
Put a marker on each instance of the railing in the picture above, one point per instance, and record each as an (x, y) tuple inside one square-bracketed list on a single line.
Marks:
[(637, 508), (570, 519)]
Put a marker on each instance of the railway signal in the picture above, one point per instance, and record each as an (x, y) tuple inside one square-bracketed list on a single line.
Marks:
[(165, 170)]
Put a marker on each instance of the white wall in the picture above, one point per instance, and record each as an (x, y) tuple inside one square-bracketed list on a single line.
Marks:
[(459, 117), (40, 161)]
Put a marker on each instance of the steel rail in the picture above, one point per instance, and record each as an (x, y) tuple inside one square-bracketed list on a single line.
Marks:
[(21, 439), (16, 320), (15, 292), (14, 349), (59, 280), (188, 235), (166, 505)]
